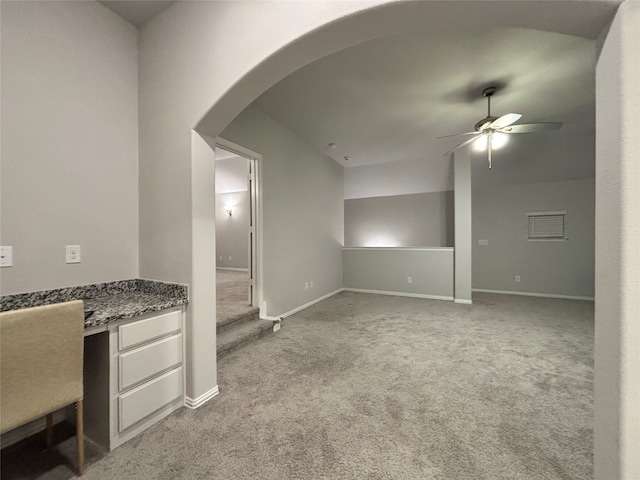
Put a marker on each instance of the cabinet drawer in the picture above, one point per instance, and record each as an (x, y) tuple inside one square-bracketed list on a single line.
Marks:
[(134, 333), (140, 402), (137, 365)]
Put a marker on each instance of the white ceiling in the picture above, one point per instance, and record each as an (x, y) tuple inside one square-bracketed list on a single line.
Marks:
[(136, 12), (222, 154), (388, 99)]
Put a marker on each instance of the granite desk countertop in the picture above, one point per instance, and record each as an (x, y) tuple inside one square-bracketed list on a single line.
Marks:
[(109, 301), (108, 308)]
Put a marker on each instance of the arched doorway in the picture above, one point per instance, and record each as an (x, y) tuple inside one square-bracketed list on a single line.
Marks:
[(298, 35)]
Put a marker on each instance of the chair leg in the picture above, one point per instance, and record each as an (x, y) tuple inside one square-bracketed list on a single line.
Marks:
[(49, 430), (80, 436)]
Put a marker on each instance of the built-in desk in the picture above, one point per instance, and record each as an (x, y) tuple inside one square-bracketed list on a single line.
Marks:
[(133, 375), (134, 353)]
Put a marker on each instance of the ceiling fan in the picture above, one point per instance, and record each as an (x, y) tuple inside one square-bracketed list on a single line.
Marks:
[(492, 132)]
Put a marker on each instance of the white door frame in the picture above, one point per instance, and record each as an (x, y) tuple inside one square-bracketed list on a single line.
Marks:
[(255, 198)]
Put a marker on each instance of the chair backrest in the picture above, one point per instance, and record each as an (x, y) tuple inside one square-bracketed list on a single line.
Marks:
[(41, 360)]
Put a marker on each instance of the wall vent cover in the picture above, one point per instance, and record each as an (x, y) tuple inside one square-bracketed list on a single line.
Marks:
[(546, 225)]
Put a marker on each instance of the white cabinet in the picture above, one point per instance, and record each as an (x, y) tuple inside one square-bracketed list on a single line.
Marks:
[(143, 330), (137, 404), (144, 378), (143, 363)]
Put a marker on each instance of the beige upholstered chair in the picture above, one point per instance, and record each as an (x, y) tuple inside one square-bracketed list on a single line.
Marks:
[(41, 359)]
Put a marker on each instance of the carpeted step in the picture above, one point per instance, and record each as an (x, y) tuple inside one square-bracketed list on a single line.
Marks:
[(226, 321), (241, 334)]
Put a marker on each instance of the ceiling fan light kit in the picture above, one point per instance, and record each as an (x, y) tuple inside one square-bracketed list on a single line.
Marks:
[(498, 140), (492, 132)]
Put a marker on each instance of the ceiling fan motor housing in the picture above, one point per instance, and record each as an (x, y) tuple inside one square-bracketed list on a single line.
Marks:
[(483, 122)]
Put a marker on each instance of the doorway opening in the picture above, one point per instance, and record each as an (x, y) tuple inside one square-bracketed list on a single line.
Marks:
[(237, 235)]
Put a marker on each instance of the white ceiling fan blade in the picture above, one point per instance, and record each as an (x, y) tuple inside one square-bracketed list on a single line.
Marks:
[(460, 145), (505, 120), (458, 134), (531, 127)]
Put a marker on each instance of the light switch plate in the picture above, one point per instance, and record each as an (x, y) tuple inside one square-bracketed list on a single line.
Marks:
[(6, 256), (483, 242)]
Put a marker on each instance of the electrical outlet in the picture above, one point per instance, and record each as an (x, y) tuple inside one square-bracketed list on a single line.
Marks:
[(306, 285), (483, 242), (311, 284), (517, 278), (6, 256), (409, 279), (72, 254)]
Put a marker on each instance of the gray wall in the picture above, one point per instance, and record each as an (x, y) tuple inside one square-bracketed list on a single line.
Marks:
[(69, 144), (386, 270), (560, 268), (398, 177), (232, 232), (421, 219), (302, 212), (545, 171)]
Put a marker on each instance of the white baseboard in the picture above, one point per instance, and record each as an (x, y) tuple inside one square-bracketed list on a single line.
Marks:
[(202, 399), (263, 313), (312, 302), (530, 294), (399, 294), (462, 301), (233, 269)]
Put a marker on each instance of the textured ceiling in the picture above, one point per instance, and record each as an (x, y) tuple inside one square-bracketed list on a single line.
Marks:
[(387, 100)]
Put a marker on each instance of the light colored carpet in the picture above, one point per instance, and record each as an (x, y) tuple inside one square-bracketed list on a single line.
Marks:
[(377, 387), (232, 295)]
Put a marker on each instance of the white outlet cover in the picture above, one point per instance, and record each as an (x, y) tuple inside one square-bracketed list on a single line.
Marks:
[(73, 254), (409, 279)]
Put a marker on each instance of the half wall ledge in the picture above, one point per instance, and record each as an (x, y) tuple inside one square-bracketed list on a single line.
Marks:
[(425, 272)]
